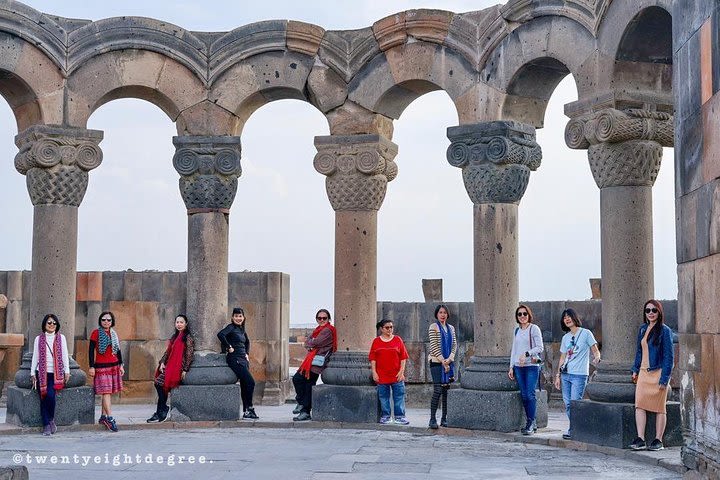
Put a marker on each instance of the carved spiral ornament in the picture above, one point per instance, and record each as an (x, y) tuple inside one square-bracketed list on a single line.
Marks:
[(605, 126), (45, 153), (227, 162), (186, 161), (88, 156), (458, 154), (575, 135), (324, 163), (369, 162)]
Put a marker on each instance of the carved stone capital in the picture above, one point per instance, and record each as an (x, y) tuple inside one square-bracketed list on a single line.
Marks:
[(209, 168), (56, 162), (496, 159), (611, 125), (357, 167), (624, 146), (630, 163)]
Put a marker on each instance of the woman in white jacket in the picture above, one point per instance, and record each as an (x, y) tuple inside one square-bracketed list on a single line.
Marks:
[(525, 363), (50, 368)]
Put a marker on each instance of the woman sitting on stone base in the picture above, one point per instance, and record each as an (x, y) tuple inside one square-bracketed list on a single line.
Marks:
[(173, 366), (236, 343)]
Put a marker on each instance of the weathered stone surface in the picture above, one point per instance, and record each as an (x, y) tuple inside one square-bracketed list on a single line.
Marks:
[(613, 424), (304, 37), (491, 410), (345, 403), (74, 405), (144, 358), (348, 51), (432, 289), (327, 90), (208, 402)]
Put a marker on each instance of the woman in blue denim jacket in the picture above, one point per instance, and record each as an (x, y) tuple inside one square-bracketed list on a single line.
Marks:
[(651, 371)]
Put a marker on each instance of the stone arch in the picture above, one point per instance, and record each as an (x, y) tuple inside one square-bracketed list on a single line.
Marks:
[(142, 74), (530, 62), (254, 81), (637, 65), (395, 78), (30, 82)]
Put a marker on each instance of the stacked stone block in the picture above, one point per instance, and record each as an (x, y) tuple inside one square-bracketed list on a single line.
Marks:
[(696, 48)]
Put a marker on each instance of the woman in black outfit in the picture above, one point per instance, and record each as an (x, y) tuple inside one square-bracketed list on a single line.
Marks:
[(236, 344)]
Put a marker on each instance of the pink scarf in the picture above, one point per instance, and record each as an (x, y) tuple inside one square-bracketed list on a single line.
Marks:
[(58, 366)]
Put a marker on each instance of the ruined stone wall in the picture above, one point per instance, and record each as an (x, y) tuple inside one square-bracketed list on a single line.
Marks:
[(145, 305), (697, 158)]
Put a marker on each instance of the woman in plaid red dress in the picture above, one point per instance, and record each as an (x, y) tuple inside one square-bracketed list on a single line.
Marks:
[(106, 365)]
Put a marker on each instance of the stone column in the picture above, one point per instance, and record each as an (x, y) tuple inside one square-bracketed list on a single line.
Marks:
[(496, 160), (358, 168), (624, 151), (56, 162), (209, 167)]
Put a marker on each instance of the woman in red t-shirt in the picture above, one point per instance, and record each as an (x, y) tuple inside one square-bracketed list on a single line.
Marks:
[(387, 361), (106, 365)]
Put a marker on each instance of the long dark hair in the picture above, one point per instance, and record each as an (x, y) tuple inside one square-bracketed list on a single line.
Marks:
[(656, 332), (187, 328), (48, 317), (444, 307)]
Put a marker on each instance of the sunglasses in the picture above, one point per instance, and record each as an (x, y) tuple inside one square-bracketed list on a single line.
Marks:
[(388, 327), (651, 310), (522, 314), (106, 319), (321, 318), (51, 322)]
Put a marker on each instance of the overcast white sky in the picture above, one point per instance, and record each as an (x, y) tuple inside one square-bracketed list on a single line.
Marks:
[(133, 216)]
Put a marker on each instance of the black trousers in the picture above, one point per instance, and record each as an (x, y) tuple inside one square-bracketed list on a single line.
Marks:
[(162, 399), (303, 389), (241, 367)]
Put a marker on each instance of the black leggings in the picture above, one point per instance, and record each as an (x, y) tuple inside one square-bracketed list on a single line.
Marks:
[(439, 391), (241, 367), (303, 389), (162, 399)]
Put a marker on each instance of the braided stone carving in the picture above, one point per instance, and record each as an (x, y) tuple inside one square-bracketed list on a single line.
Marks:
[(56, 162), (209, 169), (624, 146), (357, 167), (496, 159)]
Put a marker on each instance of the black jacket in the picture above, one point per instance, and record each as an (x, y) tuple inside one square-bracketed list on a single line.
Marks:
[(235, 337)]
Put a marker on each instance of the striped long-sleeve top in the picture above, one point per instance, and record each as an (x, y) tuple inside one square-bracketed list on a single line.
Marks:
[(435, 354)]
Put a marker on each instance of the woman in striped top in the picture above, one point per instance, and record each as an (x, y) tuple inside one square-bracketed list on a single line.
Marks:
[(443, 347)]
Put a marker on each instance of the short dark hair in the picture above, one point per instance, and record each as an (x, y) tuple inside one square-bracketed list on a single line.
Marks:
[(527, 309), (382, 323), (572, 314), (48, 317), (236, 311), (325, 311), (437, 309), (112, 316)]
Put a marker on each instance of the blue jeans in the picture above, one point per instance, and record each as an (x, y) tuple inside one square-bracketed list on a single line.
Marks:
[(527, 380), (398, 394), (573, 388)]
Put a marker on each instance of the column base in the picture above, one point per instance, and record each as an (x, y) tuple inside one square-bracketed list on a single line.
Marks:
[(345, 403), (276, 393), (73, 405), (488, 374), (499, 411), (612, 383), (206, 402), (613, 424)]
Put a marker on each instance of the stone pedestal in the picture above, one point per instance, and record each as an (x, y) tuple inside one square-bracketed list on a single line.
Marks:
[(348, 393), (207, 402), (496, 160), (75, 402), (613, 424), (492, 410)]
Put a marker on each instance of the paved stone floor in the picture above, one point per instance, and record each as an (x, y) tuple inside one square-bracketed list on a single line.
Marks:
[(276, 449)]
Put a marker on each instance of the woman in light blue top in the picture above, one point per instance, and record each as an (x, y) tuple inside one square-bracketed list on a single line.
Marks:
[(575, 349)]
